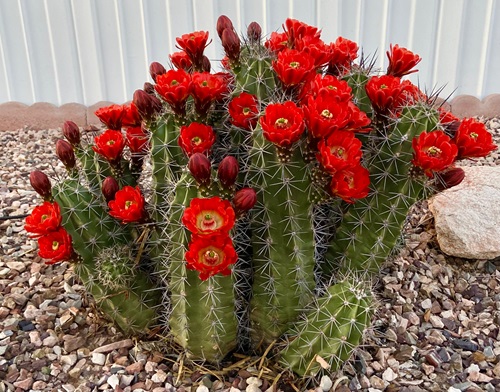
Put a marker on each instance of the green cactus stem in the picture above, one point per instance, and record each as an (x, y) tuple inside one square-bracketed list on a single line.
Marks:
[(282, 238), (331, 330)]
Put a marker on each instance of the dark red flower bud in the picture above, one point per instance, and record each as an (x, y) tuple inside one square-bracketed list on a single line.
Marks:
[(65, 153), (228, 171), (71, 132), (41, 184), (244, 200), (156, 69), (231, 44), (200, 167), (149, 88), (254, 32), (449, 178), (109, 188), (147, 105), (223, 23), (206, 65)]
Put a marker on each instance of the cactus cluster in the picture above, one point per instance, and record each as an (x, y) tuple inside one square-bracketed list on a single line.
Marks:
[(252, 205)]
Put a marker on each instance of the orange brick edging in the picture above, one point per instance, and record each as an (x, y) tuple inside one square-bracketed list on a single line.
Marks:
[(42, 115)]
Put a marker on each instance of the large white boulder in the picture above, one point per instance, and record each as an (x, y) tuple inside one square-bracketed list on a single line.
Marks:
[(467, 216)]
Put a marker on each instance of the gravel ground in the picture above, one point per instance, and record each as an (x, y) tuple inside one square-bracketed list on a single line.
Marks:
[(437, 328)]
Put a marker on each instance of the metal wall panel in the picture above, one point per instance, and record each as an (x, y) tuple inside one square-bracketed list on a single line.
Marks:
[(85, 51)]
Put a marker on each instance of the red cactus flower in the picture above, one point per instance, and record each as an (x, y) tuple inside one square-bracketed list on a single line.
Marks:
[(293, 67), (209, 216), (384, 93), (358, 120), (156, 69), (254, 32), (128, 205), (174, 87), (223, 23), (228, 171), (44, 219), (201, 168), (324, 115), (147, 105), (449, 178), (207, 88), (244, 200), (211, 255), (111, 116), (194, 44), (277, 42), (196, 137), (297, 30), (343, 53), (282, 123), (65, 153), (351, 183), (401, 61), (55, 246), (131, 118), (137, 140), (316, 48), (231, 44), (433, 152), (181, 60), (473, 139), (71, 132), (337, 90), (243, 111), (339, 151), (446, 117), (110, 145), (109, 188)]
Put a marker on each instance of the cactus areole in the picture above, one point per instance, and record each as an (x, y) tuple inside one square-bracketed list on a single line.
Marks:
[(253, 205)]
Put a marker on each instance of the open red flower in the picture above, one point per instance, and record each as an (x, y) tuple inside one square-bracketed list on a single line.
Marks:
[(244, 111), (44, 219), (282, 123), (55, 246), (337, 90), (316, 48), (207, 216), (194, 44), (277, 42), (358, 120), (401, 61), (473, 139), (211, 255), (293, 67), (339, 151), (343, 53), (174, 87), (324, 115), (110, 145), (131, 117), (128, 205), (433, 152), (196, 137), (384, 93), (207, 88), (181, 60), (111, 116), (351, 183), (137, 140)]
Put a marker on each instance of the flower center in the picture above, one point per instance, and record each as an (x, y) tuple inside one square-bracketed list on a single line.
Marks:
[(339, 152), (196, 140), (174, 83), (128, 203), (110, 142), (246, 111), (208, 222), (211, 257), (330, 87), (42, 219), (281, 123), (474, 136), (326, 113), (294, 64), (383, 86), (434, 151), (55, 245), (204, 83)]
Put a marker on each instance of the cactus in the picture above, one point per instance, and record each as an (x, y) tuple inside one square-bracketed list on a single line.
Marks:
[(272, 194)]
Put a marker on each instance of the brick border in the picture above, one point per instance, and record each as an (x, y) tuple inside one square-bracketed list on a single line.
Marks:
[(42, 115)]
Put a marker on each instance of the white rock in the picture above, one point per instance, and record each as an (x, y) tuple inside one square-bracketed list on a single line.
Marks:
[(202, 388), (453, 389), (254, 380), (251, 388), (233, 389), (159, 377), (325, 383), (389, 375), (467, 216), (98, 358), (113, 381)]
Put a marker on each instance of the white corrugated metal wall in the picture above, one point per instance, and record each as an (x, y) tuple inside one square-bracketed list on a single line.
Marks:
[(85, 51)]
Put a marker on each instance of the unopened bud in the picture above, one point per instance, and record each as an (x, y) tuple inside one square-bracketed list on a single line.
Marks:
[(231, 44), (65, 153), (200, 167), (71, 132), (449, 178), (244, 200), (228, 171), (156, 69), (254, 32), (41, 184), (109, 188), (223, 23), (206, 65), (149, 88), (147, 105)]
